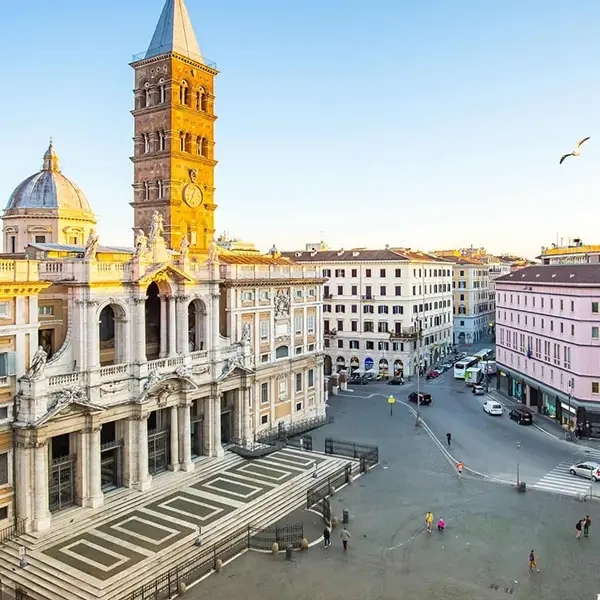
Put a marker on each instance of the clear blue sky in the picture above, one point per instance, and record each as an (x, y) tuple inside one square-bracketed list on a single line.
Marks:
[(425, 124)]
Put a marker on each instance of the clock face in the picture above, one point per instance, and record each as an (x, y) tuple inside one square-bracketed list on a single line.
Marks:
[(192, 195)]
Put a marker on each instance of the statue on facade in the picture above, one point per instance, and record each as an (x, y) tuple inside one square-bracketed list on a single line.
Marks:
[(213, 254), (282, 304), (232, 363), (91, 246), (153, 378), (157, 227), (184, 248), (164, 393), (38, 363), (246, 331), (141, 243)]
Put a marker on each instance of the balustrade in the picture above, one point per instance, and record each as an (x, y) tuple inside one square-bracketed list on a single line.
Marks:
[(60, 380)]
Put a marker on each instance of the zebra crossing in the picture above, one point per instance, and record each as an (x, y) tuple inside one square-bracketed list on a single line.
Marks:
[(560, 481)]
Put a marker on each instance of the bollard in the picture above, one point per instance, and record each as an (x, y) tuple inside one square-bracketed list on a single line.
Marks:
[(275, 548), (218, 565), (345, 517), (288, 552), (304, 544), (182, 588), (334, 522)]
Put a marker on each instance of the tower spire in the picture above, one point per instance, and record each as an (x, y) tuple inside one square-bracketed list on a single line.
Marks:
[(174, 33)]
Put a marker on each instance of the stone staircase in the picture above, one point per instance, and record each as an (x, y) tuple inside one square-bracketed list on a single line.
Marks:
[(48, 579)]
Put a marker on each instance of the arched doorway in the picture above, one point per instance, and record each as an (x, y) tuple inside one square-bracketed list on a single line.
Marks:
[(461, 337), (153, 332), (384, 368), (354, 364), (111, 335), (340, 364), (327, 365), (196, 326), (368, 363), (398, 368)]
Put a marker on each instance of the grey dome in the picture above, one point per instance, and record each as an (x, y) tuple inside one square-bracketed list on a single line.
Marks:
[(49, 189)]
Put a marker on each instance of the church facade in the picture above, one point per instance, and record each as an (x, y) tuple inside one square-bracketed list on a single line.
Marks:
[(150, 357)]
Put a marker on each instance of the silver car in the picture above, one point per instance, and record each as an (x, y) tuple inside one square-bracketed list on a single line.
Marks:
[(587, 469)]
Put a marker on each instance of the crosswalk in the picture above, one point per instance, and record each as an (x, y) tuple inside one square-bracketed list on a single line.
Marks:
[(560, 481)]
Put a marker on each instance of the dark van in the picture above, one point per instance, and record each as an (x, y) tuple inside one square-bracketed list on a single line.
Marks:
[(522, 415)]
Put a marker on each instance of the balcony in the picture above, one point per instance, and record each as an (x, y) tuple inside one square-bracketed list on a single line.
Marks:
[(330, 333), (18, 270), (368, 297), (327, 296), (410, 333)]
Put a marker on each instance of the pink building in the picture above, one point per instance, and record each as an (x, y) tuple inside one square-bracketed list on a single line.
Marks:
[(548, 341)]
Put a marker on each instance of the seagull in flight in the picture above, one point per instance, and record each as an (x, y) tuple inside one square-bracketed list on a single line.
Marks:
[(575, 152)]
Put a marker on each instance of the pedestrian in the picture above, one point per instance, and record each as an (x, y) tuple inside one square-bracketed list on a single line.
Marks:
[(533, 562), (449, 438), (428, 521), (345, 535), (301, 444), (459, 467), (586, 525), (327, 537), (441, 525), (578, 529)]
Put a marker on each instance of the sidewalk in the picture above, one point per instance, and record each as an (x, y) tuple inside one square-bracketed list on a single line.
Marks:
[(543, 422)]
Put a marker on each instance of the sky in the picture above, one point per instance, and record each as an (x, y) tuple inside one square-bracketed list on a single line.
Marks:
[(429, 124)]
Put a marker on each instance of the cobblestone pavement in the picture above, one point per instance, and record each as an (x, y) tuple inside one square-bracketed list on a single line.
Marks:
[(482, 554)]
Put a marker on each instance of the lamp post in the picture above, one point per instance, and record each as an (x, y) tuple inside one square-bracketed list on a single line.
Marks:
[(570, 388), (518, 445)]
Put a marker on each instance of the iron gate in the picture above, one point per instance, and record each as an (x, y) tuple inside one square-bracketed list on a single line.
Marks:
[(158, 451), (62, 483)]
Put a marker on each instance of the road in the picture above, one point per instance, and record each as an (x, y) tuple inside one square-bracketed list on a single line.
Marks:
[(487, 444)]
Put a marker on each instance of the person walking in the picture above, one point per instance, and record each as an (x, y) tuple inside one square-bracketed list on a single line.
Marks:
[(448, 438), (327, 537), (441, 525), (459, 467), (428, 521), (533, 562), (578, 529), (345, 535), (586, 525)]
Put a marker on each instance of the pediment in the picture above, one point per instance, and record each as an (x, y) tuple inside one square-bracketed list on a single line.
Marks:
[(234, 371), (164, 272), (68, 407)]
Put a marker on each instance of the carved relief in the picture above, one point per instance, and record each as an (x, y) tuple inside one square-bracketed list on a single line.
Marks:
[(69, 395), (113, 388), (282, 304), (153, 378)]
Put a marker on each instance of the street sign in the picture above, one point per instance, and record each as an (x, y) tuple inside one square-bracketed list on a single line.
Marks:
[(391, 400)]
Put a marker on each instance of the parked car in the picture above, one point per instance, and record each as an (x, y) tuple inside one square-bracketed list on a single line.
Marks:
[(491, 407), (433, 374), (447, 366), (522, 415), (478, 390), (588, 469), (423, 398), (396, 381), (360, 380)]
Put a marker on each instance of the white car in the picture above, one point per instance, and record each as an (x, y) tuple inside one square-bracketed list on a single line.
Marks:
[(587, 469), (491, 407)]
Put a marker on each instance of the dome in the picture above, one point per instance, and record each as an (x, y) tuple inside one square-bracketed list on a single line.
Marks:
[(48, 189)]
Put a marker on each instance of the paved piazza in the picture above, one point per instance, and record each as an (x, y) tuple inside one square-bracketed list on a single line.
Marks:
[(106, 550)]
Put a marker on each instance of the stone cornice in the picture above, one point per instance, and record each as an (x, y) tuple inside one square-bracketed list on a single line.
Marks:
[(22, 288), (142, 62), (231, 283)]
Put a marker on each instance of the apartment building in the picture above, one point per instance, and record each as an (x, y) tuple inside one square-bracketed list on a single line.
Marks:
[(575, 253), (376, 305), (548, 341)]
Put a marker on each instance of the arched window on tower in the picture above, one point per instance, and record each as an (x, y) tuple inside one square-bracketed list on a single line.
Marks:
[(204, 102), (198, 100), (182, 142), (199, 146), (188, 142), (184, 93), (159, 187), (147, 97), (161, 91), (161, 140), (205, 147), (146, 141), (146, 191)]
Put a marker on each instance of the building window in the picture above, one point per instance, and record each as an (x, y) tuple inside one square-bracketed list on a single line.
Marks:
[(383, 310), (4, 310), (40, 239), (353, 325), (370, 346), (368, 309), (354, 290), (398, 272), (382, 290), (264, 358), (340, 290), (354, 345), (354, 308), (146, 141), (161, 140), (264, 393), (298, 382), (184, 93), (340, 308), (311, 378), (182, 141), (4, 468), (340, 325), (382, 327), (44, 311), (398, 290), (264, 419), (368, 326), (595, 332), (340, 273), (264, 330), (298, 406), (340, 343), (354, 272), (298, 325), (594, 307), (367, 272), (310, 324), (161, 93), (381, 272), (595, 387)]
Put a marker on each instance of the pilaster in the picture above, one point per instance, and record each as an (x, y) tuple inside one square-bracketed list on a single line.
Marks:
[(93, 348), (172, 326), (182, 324), (24, 480), (94, 496), (207, 425), (185, 420), (245, 413), (217, 449), (41, 512), (163, 326), (214, 329), (174, 439), (139, 329), (144, 479)]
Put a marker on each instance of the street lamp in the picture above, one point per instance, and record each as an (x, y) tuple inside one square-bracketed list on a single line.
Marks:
[(518, 444), (570, 388)]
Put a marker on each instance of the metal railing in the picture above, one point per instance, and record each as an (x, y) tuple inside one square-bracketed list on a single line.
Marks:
[(284, 431), (13, 531), (321, 490), (367, 454)]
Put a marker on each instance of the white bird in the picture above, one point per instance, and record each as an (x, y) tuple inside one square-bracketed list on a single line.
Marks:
[(575, 152)]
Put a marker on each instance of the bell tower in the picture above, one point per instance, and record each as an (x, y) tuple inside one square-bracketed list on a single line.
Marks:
[(174, 133)]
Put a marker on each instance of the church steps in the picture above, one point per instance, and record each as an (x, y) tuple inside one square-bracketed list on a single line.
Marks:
[(40, 576), (263, 513), (123, 501)]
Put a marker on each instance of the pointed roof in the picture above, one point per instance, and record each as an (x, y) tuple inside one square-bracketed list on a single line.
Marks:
[(174, 33)]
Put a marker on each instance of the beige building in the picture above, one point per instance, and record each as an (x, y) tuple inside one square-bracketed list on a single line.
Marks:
[(153, 356)]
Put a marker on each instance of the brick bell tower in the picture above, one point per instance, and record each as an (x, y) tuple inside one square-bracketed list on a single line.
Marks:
[(174, 133)]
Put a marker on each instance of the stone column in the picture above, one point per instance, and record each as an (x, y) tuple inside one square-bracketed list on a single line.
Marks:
[(174, 440), (214, 333), (139, 329), (41, 510), (186, 459), (207, 425), (172, 327), (163, 327), (93, 347), (94, 496), (217, 449), (144, 480), (182, 325), (23, 484), (245, 432)]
